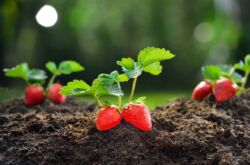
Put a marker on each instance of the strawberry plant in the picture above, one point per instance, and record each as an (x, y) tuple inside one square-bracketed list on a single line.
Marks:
[(64, 68), (105, 84), (134, 112), (148, 61), (34, 92), (223, 81)]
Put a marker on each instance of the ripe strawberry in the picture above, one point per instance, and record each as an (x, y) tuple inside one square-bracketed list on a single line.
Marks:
[(108, 117), (138, 115), (224, 90), (202, 90), (34, 94), (55, 95)]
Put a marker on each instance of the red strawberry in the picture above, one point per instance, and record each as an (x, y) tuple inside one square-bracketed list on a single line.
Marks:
[(224, 90), (202, 90), (138, 115), (54, 94), (34, 94), (108, 117)]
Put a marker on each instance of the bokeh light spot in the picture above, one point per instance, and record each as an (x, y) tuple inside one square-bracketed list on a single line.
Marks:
[(47, 16), (204, 32)]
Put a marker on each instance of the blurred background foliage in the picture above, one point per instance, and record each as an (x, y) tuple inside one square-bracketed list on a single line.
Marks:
[(99, 32)]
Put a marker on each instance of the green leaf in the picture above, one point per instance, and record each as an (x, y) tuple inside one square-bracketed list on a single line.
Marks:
[(51, 66), (214, 72), (141, 99), (19, 71), (123, 78), (225, 68), (67, 67), (236, 77), (148, 61), (127, 63), (244, 66), (107, 103), (130, 67), (36, 76), (75, 87), (247, 60), (240, 66), (107, 84), (211, 72), (151, 55), (112, 77), (154, 69)]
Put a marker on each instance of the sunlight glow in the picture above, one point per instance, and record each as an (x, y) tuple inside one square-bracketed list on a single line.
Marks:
[(47, 16), (204, 32)]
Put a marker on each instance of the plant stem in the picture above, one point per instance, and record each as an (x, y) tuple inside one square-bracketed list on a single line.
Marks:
[(52, 79), (132, 90), (119, 97), (99, 101), (232, 71), (245, 79), (119, 102)]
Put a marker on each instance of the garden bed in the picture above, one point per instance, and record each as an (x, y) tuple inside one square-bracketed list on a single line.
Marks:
[(185, 132)]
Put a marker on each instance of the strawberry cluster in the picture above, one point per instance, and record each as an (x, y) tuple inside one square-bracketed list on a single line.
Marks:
[(137, 115), (222, 81), (34, 92), (223, 89)]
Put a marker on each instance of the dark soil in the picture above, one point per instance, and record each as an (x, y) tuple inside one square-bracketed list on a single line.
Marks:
[(185, 132)]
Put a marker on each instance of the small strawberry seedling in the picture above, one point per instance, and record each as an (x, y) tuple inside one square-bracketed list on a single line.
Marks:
[(222, 81), (34, 92), (134, 112), (105, 84), (64, 68), (148, 61)]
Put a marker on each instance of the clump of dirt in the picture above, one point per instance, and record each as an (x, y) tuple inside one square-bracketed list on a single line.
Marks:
[(185, 132)]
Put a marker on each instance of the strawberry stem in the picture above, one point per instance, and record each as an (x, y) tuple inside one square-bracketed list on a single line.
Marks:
[(119, 102), (232, 71), (98, 101), (244, 80), (119, 97), (52, 79), (132, 90)]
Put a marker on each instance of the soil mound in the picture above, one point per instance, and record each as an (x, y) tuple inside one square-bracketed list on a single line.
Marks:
[(185, 132)]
